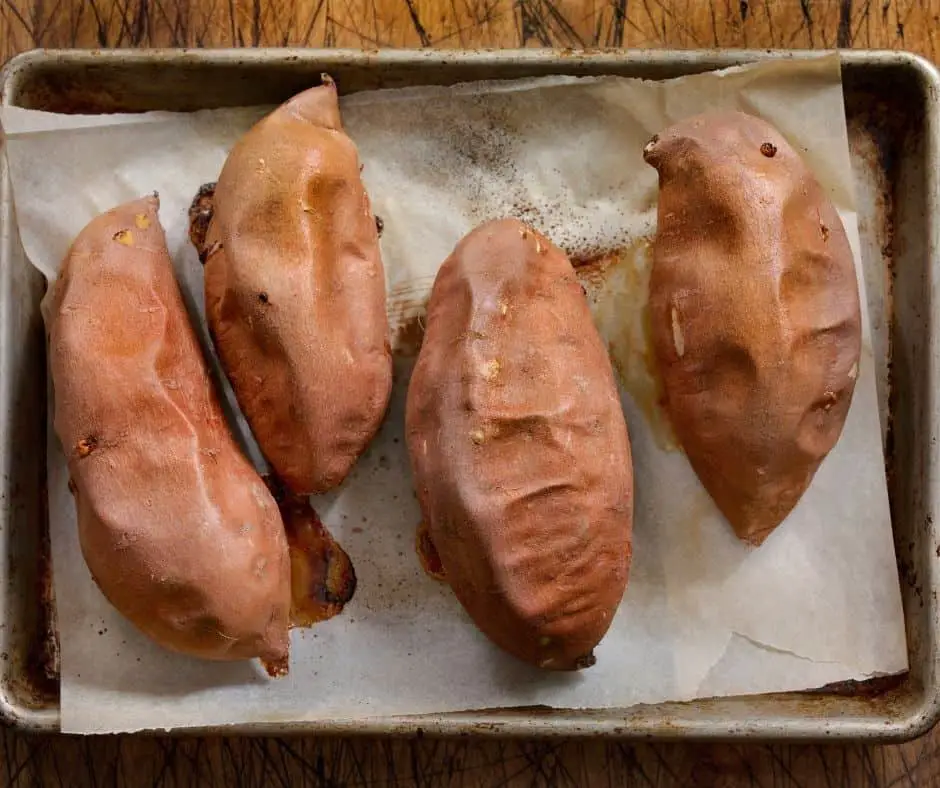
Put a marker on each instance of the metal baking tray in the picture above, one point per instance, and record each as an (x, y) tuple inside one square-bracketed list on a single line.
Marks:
[(892, 109)]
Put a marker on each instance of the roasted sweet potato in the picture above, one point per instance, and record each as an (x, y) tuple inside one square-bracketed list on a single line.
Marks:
[(295, 291), (179, 532), (755, 315), (519, 448)]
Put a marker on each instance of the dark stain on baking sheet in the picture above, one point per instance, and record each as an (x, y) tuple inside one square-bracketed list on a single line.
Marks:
[(882, 134), (45, 652), (37, 683)]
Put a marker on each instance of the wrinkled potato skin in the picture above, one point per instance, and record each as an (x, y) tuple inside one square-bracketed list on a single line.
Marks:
[(179, 532), (519, 448), (295, 292), (755, 314)]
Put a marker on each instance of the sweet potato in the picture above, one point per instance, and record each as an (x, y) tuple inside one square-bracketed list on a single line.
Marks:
[(179, 532), (295, 291), (755, 314), (519, 448)]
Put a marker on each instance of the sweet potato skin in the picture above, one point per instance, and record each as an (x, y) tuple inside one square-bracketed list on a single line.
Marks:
[(295, 292), (755, 314), (519, 448), (179, 532)]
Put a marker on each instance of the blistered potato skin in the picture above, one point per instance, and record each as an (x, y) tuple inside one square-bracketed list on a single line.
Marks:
[(755, 314), (295, 292), (179, 532), (519, 448)]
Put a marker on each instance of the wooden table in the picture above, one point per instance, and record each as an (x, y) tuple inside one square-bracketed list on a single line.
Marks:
[(902, 24)]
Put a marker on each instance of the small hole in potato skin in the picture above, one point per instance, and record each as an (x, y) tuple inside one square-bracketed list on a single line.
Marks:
[(263, 297), (829, 399), (86, 446)]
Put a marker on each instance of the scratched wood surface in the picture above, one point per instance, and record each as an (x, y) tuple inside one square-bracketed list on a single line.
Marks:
[(24, 24)]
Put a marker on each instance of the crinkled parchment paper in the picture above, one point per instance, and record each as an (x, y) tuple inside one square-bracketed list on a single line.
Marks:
[(703, 615)]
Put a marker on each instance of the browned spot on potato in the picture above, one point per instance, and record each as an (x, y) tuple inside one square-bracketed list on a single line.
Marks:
[(428, 555), (824, 230), (263, 297), (322, 576), (200, 215), (379, 225), (124, 237), (768, 149), (72, 488), (491, 370), (678, 340), (86, 446)]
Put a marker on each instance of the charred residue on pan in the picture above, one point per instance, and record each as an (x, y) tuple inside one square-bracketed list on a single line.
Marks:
[(34, 637), (44, 651)]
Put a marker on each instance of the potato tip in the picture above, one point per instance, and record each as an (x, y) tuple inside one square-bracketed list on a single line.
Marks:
[(650, 149), (585, 661)]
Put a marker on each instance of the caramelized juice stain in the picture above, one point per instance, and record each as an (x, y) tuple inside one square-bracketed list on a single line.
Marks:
[(322, 577), (700, 508), (617, 287), (409, 334)]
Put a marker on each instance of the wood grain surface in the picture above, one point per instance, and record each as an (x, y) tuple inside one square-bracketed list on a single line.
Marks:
[(106, 761)]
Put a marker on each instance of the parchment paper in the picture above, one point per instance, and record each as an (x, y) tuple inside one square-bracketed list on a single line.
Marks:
[(703, 614)]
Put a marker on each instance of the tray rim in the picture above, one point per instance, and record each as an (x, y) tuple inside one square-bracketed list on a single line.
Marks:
[(662, 721)]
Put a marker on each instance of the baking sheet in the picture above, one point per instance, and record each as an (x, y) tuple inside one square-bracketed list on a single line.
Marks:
[(703, 614)]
